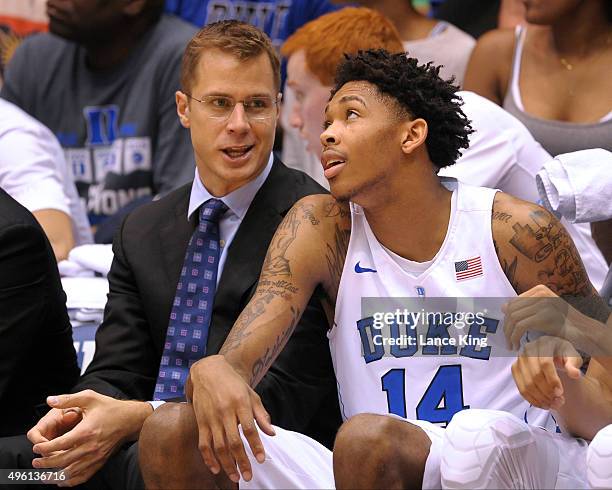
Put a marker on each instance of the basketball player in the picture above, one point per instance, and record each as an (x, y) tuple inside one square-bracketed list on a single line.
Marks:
[(393, 228)]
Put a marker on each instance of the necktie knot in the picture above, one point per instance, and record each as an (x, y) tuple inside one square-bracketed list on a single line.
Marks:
[(212, 210)]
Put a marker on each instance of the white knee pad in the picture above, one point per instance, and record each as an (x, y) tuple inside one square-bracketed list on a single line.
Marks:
[(494, 449), (599, 459)]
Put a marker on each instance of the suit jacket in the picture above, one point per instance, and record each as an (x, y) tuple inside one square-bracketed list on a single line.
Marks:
[(37, 356), (149, 252)]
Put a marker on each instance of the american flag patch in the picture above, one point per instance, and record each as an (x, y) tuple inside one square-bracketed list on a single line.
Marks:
[(466, 269)]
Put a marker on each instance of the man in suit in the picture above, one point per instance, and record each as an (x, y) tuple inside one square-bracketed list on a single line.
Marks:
[(36, 352), (229, 100)]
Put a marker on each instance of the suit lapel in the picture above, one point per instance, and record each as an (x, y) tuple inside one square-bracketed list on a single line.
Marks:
[(248, 250), (174, 237)]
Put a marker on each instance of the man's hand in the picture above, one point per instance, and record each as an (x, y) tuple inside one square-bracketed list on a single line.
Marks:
[(539, 310), (221, 400), (536, 373), (83, 430), (55, 423)]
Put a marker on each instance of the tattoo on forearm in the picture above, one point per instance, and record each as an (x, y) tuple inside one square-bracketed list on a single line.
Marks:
[(240, 331), (261, 365)]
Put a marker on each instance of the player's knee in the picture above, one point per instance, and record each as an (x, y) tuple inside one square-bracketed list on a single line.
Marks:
[(472, 442), (381, 441), (599, 457), (360, 434), (171, 429)]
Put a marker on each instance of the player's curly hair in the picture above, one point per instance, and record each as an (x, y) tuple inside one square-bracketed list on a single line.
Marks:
[(420, 92)]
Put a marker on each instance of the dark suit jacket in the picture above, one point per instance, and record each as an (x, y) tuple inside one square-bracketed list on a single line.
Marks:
[(149, 251), (37, 357)]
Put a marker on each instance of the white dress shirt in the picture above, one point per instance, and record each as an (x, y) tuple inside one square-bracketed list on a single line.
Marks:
[(578, 185), (237, 201)]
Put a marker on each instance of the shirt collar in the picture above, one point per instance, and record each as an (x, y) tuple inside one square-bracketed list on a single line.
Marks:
[(237, 201)]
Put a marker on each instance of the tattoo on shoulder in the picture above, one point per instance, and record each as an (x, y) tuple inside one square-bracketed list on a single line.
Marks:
[(308, 213), (276, 262), (544, 237), (501, 216)]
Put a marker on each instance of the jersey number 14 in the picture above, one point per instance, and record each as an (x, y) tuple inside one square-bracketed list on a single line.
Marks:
[(441, 401)]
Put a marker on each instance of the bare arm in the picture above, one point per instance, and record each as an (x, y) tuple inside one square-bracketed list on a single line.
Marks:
[(534, 248), (490, 65), (58, 228), (293, 268), (307, 250)]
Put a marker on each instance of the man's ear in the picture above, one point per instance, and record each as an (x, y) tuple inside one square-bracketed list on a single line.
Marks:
[(279, 98), (182, 108), (414, 135), (134, 8)]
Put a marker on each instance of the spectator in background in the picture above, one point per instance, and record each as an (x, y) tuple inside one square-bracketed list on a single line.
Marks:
[(427, 39), (502, 153), (472, 16), (17, 20), (511, 14), (277, 18), (554, 75), (33, 171), (104, 81), (36, 351)]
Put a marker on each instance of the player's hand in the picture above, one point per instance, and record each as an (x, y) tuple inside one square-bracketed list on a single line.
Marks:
[(221, 400), (541, 310), (536, 371), (81, 443)]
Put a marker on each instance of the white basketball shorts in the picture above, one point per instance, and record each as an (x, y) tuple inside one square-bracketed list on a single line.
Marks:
[(294, 460)]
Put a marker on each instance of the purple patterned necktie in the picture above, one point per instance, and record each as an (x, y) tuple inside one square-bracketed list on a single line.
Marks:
[(192, 308)]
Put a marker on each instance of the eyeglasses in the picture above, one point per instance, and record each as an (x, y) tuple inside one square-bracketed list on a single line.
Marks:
[(220, 107)]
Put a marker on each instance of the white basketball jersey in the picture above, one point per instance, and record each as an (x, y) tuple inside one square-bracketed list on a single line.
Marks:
[(420, 373)]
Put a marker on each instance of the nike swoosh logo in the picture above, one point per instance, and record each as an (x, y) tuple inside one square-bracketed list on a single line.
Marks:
[(361, 270)]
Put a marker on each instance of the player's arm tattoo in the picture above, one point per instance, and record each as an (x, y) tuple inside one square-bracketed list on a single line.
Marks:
[(276, 262), (508, 267), (538, 250), (274, 305), (549, 249), (333, 210), (501, 216), (261, 365), (335, 255)]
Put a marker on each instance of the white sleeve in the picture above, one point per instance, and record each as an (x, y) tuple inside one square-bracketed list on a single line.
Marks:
[(156, 404), (30, 159), (583, 182)]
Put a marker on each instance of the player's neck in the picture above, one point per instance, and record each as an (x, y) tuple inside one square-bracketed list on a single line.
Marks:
[(412, 220)]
